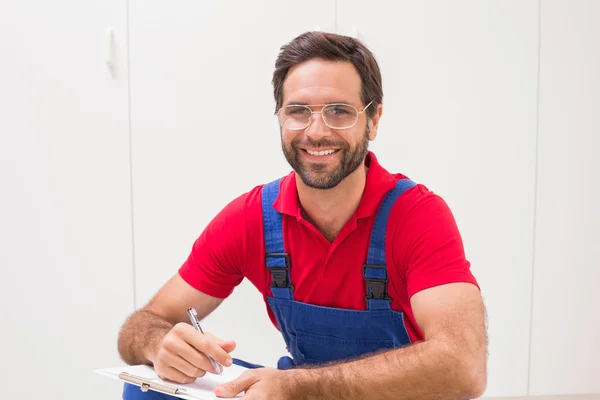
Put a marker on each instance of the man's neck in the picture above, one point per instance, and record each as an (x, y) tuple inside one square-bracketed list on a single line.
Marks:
[(329, 210)]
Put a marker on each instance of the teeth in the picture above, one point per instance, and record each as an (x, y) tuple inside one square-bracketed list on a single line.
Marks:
[(320, 153)]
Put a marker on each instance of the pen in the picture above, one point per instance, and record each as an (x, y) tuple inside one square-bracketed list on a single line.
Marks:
[(194, 318)]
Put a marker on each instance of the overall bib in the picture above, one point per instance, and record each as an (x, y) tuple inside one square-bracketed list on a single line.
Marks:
[(316, 334)]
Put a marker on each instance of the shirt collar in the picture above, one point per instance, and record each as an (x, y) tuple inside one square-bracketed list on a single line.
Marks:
[(379, 182)]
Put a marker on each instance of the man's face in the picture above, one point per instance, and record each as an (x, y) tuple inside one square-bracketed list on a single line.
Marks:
[(320, 155)]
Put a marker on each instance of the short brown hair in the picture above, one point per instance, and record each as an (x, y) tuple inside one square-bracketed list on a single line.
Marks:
[(331, 47)]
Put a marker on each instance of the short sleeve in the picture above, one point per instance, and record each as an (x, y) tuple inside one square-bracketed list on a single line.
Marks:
[(217, 261), (430, 246)]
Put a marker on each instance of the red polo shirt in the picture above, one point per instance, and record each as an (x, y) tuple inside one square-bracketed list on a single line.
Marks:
[(423, 248)]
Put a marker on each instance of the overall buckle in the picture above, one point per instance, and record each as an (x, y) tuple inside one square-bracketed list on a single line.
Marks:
[(377, 286), (279, 275)]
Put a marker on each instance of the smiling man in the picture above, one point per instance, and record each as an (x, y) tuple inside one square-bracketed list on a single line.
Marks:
[(363, 271)]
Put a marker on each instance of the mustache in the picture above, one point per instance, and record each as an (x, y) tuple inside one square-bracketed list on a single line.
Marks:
[(318, 143)]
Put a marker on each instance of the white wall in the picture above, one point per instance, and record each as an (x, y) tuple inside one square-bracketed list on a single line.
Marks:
[(488, 108), (65, 209), (565, 346)]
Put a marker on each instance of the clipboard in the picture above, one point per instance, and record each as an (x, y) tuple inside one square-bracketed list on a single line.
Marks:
[(144, 377), (147, 384)]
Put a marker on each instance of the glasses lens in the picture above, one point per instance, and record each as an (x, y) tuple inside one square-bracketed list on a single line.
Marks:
[(340, 115), (295, 117)]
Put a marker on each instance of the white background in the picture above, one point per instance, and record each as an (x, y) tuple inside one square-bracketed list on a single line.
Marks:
[(109, 175)]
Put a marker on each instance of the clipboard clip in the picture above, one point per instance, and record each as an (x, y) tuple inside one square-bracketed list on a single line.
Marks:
[(147, 384)]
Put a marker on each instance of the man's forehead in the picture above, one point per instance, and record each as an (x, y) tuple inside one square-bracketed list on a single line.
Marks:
[(322, 79), (323, 94)]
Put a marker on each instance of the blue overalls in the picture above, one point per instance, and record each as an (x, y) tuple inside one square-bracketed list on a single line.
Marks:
[(315, 334)]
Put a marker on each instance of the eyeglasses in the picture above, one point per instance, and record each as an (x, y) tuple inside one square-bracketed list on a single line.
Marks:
[(335, 116)]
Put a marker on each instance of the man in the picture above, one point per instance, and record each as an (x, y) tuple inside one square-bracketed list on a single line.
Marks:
[(363, 271)]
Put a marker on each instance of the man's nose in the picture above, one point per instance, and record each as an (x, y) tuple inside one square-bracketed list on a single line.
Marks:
[(317, 128)]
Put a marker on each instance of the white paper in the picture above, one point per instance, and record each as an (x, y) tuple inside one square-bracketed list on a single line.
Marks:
[(201, 389)]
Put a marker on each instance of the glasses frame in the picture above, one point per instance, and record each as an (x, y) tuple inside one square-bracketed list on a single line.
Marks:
[(310, 120)]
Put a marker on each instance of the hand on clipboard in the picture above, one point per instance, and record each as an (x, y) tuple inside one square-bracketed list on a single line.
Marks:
[(186, 352), (181, 361)]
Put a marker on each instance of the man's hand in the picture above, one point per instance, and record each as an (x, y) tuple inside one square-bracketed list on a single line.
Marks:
[(179, 355), (261, 383)]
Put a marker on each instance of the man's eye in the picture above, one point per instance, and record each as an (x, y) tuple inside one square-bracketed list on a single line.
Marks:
[(297, 111), (338, 110)]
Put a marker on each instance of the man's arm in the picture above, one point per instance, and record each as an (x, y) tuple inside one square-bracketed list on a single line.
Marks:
[(143, 330), (449, 364)]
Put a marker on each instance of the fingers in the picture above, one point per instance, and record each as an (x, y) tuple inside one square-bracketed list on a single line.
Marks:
[(227, 345), (210, 345), (171, 374), (179, 349), (185, 367), (171, 366), (235, 387), (181, 356)]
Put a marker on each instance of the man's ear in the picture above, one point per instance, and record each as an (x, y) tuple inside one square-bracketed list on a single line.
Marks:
[(374, 122)]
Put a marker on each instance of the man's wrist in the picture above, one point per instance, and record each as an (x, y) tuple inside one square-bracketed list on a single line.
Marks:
[(153, 345)]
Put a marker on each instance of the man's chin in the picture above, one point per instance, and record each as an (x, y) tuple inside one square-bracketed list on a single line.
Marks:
[(316, 171), (321, 180)]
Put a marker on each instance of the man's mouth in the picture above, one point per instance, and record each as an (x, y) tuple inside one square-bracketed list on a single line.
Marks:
[(321, 152)]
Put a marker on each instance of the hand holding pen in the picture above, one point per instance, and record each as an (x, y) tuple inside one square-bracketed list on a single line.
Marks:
[(186, 352), (196, 324)]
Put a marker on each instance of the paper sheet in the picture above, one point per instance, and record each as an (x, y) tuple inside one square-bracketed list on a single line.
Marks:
[(201, 389)]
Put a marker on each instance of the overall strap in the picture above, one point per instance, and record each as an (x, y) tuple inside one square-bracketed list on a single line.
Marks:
[(374, 271), (278, 262)]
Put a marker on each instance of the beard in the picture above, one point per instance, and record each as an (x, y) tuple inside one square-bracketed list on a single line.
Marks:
[(314, 175)]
